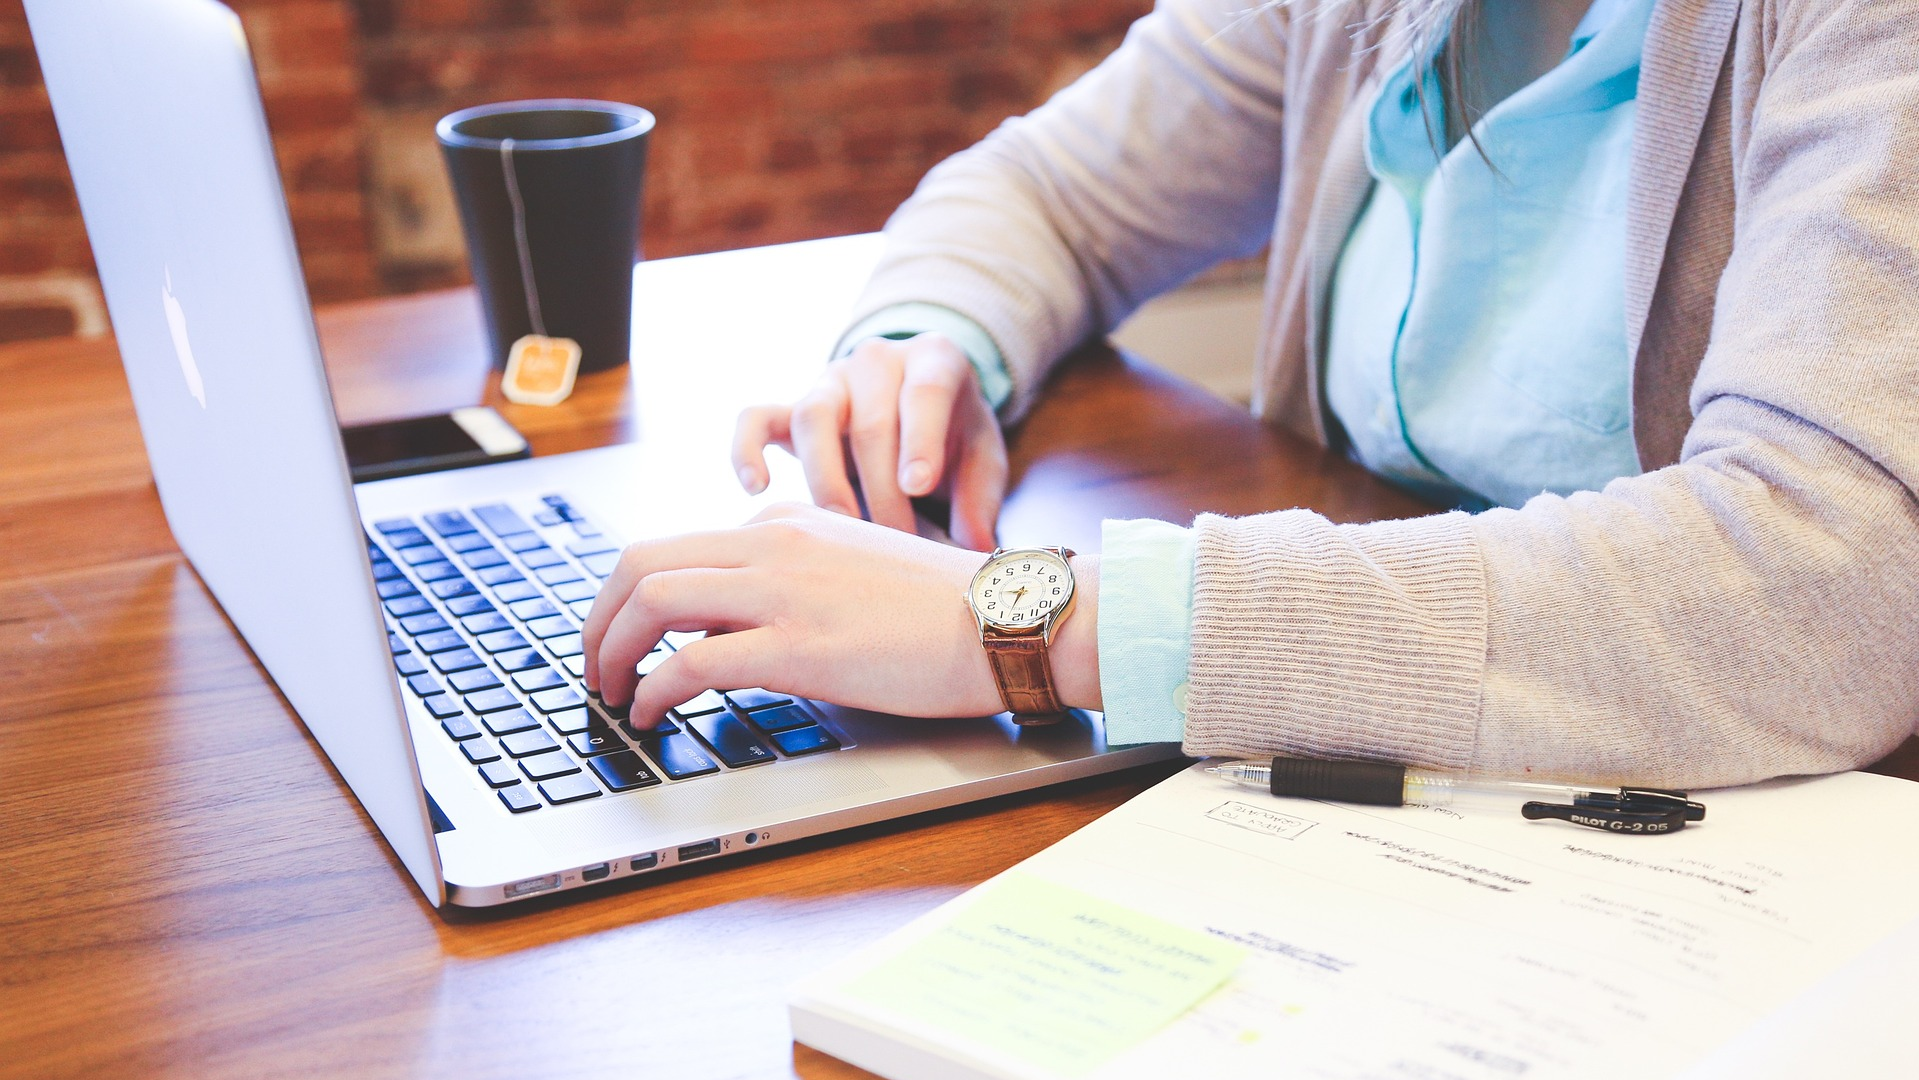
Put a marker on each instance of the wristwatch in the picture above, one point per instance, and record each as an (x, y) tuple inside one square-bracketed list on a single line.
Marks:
[(1019, 598)]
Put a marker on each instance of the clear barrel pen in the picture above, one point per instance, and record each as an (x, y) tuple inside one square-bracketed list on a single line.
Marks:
[(1621, 809)]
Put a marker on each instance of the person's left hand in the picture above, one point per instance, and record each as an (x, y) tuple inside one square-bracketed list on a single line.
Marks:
[(801, 601)]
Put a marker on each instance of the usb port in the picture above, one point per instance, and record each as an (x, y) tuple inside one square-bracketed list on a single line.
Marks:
[(700, 850), (596, 873)]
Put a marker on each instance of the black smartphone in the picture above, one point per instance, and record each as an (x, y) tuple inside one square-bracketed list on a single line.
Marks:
[(475, 435)]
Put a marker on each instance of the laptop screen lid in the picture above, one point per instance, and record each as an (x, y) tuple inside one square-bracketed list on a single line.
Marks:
[(160, 115)]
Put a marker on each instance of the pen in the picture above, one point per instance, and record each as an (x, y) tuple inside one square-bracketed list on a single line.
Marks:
[(1633, 810)]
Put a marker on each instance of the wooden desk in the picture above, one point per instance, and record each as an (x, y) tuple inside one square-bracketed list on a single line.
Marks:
[(190, 887)]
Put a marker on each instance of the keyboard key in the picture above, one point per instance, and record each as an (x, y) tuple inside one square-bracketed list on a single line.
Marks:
[(409, 663), (499, 774), (526, 541), (519, 660), (535, 558), (806, 740), (486, 622), (440, 570), (425, 685), (680, 639), (568, 789), (623, 771), (449, 523), (731, 739), (551, 626), (548, 766), (564, 647), (419, 556), (602, 565), (518, 799), (442, 706), (479, 751), (424, 623), (616, 712), (407, 538), (466, 542), (487, 701), (499, 575), (580, 609), (576, 590), (407, 605), (452, 587), (579, 549), (393, 525), (503, 641), (527, 743), (481, 558), (459, 728), (652, 660), (565, 697), (557, 575), (439, 641), (572, 721), (584, 528), (473, 680), (755, 698), (463, 606), (680, 757), (386, 571), (514, 591), (665, 727), (500, 519), (596, 740), (537, 608), (538, 679), (576, 665), (510, 722), (395, 644), (393, 590), (707, 702), (458, 660), (780, 718)]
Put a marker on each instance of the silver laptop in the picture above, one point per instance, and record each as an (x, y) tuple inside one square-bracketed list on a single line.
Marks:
[(426, 628)]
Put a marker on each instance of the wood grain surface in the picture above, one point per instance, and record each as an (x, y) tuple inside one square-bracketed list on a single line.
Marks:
[(191, 890)]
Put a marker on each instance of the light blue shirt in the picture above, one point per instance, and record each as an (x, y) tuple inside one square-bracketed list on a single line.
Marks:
[(1476, 351)]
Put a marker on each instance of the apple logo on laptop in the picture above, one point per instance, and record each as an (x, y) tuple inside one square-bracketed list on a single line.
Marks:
[(177, 323)]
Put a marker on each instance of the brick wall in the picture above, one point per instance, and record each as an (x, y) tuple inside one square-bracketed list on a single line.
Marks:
[(778, 120)]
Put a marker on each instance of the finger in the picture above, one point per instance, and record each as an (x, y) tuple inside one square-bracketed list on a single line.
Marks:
[(721, 548), (748, 658), (979, 487), (874, 437), (692, 599), (936, 374), (819, 421), (757, 428)]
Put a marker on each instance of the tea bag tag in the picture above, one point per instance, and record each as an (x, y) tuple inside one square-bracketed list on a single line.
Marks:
[(540, 370)]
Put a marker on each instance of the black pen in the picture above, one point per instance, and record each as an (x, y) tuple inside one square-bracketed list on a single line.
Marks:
[(1631, 810)]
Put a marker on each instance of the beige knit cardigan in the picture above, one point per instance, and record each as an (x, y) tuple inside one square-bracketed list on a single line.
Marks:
[(1747, 607)]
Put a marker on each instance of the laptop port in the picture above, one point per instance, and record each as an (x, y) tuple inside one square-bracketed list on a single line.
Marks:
[(596, 873), (700, 850), (645, 862), (532, 885)]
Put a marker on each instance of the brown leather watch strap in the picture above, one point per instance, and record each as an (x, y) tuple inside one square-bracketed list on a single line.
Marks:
[(1024, 674)]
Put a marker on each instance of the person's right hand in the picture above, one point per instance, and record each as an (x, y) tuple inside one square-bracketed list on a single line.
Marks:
[(914, 420)]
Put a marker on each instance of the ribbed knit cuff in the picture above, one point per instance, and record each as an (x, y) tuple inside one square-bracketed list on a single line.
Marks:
[(903, 321), (1337, 641)]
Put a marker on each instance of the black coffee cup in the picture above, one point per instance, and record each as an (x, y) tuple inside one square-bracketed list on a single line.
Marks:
[(549, 195)]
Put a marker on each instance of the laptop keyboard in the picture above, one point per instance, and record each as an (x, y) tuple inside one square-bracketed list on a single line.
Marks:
[(484, 608)]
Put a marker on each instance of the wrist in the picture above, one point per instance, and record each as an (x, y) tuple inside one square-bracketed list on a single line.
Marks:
[(1074, 653)]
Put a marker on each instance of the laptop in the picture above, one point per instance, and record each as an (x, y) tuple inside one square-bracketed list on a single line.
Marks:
[(426, 629)]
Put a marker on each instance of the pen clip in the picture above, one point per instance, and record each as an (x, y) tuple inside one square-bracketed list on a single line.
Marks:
[(1627, 812)]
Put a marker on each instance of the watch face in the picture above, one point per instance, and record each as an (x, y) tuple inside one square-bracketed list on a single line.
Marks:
[(1021, 589)]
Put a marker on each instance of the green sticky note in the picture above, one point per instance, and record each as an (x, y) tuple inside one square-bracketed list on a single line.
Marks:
[(1049, 975)]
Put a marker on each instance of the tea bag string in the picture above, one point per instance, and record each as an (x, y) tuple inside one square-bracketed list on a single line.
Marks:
[(519, 237)]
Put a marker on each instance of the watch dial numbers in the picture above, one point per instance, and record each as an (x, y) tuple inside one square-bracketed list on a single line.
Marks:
[(1021, 593)]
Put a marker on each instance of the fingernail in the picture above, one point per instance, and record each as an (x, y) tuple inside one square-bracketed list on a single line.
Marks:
[(916, 476), (750, 480)]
